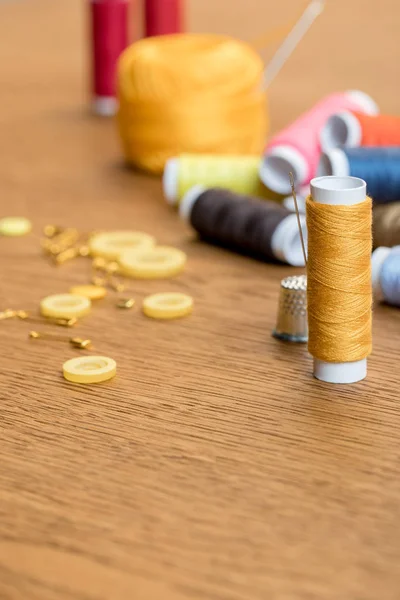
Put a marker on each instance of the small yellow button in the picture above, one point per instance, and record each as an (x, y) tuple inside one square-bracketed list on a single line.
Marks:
[(65, 306), (155, 263), (111, 244), (93, 292), (167, 305), (89, 369), (15, 226)]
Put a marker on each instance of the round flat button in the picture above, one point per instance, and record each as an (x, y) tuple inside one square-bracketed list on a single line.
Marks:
[(155, 263), (89, 369), (93, 292), (15, 226), (111, 244), (65, 306), (167, 305)]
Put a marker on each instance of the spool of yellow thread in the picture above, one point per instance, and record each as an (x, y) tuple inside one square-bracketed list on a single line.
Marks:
[(190, 93), (239, 174), (339, 291)]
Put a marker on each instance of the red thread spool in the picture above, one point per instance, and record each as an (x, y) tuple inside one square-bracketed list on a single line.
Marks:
[(109, 29), (351, 129), (380, 130), (163, 17)]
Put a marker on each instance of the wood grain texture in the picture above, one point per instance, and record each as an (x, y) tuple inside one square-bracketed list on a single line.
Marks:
[(214, 467)]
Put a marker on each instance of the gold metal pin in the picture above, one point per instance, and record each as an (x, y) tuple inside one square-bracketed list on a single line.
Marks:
[(84, 250), (99, 263), (98, 269), (76, 342), (52, 230), (66, 255), (61, 241), (115, 283), (7, 314), (25, 316), (125, 303)]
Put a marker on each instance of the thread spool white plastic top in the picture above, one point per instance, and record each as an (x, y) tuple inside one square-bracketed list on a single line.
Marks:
[(283, 159), (343, 191), (378, 258), (285, 241), (333, 162), (170, 180), (105, 106)]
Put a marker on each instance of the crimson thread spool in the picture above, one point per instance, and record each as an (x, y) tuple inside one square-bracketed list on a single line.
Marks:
[(297, 148), (259, 228), (163, 17), (352, 129), (109, 37)]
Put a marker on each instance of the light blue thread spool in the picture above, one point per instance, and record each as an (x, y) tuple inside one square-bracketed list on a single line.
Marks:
[(386, 275)]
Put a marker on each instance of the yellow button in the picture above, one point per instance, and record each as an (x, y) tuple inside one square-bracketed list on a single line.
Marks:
[(111, 244), (154, 263), (167, 306), (14, 226), (65, 306), (93, 292), (89, 369)]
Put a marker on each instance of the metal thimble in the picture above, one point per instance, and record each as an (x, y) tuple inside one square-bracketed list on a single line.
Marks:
[(291, 323)]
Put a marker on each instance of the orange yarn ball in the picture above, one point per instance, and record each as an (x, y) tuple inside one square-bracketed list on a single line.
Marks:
[(190, 93)]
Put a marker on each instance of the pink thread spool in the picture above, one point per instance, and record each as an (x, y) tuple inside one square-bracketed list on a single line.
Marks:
[(297, 148), (163, 17), (109, 34)]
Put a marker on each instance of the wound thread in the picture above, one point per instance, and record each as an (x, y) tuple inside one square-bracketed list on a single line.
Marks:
[(236, 173), (297, 147), (386, 225), (339, 293), (190, 93), (378, 167), (379, 130), (390, 277), (257, 228)]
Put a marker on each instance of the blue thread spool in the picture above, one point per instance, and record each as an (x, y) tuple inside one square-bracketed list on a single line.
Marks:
[(379, 167), (386, 275)]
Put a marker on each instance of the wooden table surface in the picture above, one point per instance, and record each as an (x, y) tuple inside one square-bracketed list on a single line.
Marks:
[(214, 467)]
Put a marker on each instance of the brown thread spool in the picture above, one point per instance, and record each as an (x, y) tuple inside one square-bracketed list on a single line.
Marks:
[(259, 228), (386, 225)]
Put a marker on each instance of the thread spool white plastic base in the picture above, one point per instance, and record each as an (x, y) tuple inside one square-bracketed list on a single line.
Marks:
[(349, 372), (378, 258), (189, 200), (333, 162), (339, 191), (276, 166), (285, 242), (170, 181), (105, 106)]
